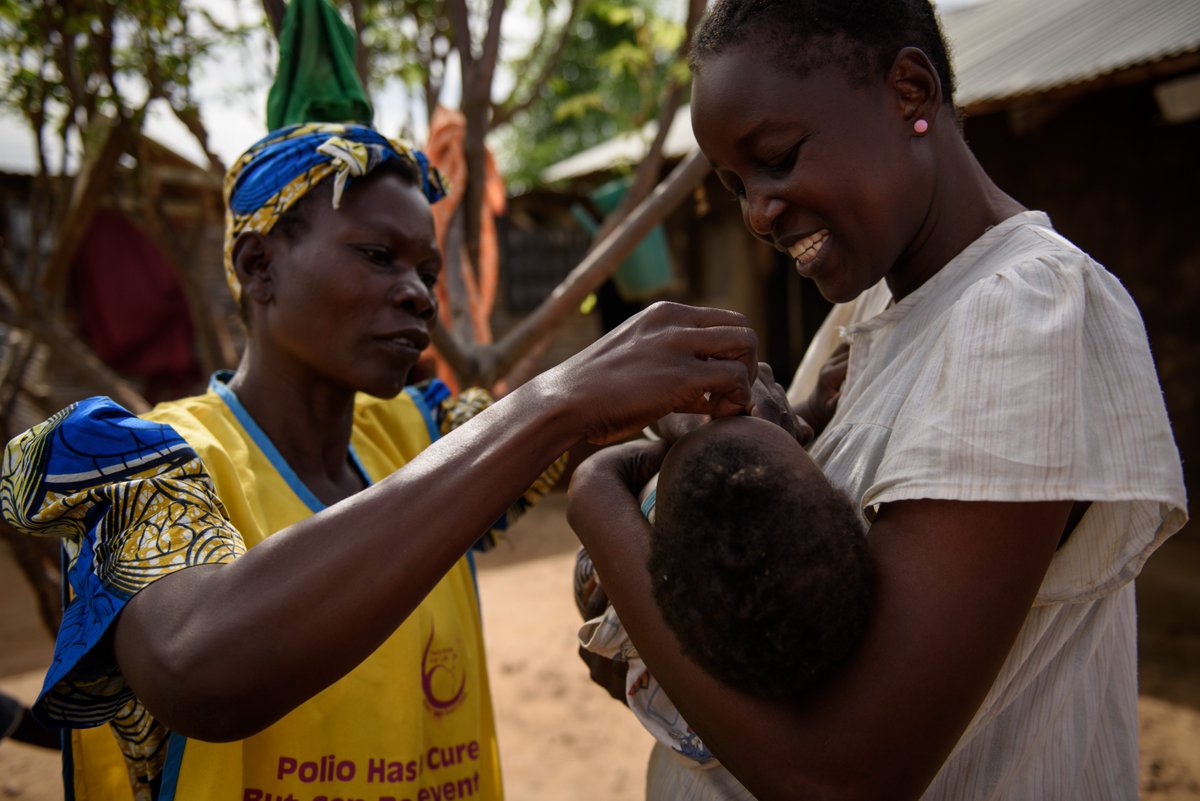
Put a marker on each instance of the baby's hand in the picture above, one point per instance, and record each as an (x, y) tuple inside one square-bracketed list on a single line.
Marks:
[(822, 402), (771, 404)]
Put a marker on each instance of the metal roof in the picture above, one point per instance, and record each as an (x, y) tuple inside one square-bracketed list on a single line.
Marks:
[(627, 149), (1005, 48), (1001, 49)]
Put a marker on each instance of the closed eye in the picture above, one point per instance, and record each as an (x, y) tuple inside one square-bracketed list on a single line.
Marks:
[(785, 161)]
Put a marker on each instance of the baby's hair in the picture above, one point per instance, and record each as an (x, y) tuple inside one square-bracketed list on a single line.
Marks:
[(767, 582), (862, 37)]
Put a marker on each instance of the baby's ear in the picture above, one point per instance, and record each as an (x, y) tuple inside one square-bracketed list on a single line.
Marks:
[(252, 256)]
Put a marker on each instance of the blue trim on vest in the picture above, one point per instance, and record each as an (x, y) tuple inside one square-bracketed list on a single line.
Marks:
[(68, 765), (169, 778), (474, 578), (431, 423), (176, 744), (68, 748), (438, 391), (219, 385)]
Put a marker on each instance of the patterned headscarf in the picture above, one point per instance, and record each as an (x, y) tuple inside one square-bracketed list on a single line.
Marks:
[(288, 163)]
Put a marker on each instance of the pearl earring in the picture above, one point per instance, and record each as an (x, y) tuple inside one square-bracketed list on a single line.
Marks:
[(920, 126)]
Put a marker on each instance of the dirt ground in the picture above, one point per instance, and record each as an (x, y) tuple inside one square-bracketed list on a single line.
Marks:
[(561, 738)]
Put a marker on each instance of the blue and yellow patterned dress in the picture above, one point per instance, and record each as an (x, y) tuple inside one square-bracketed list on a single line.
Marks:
[(196, 481)]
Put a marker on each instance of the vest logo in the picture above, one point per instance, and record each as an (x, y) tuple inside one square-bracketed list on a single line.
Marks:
[(443, 677)]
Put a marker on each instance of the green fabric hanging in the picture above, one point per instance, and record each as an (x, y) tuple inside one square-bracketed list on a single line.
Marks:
[(316, 80)]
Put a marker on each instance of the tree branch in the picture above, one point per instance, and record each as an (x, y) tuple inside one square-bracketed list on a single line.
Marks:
[(651, 165), (491, 49), (190, 117), (70, 349), (477, 88), (92, 182), (64, 342), (275, 10), (18, 356), (460, 28), (360, 50), (504, 112), (37, 558)]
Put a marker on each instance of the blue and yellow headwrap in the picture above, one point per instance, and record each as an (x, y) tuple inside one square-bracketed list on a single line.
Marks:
[(286, 164)]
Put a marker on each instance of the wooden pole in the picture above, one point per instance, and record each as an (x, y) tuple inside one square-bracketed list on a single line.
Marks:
[(90, 186), (596, 267)]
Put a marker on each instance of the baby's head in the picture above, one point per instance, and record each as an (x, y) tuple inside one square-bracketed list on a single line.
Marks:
[(759, 565)]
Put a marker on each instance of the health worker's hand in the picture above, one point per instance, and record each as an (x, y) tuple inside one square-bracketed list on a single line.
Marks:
[(668, 358), (770, 403)]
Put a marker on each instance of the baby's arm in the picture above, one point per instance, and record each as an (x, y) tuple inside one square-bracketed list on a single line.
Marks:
[(615, 665), (592, 602)]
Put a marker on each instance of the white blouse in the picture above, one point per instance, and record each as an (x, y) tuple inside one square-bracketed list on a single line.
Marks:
[(1021, 372)]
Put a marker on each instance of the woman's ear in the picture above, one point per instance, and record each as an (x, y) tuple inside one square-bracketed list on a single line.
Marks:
[(252, 253), (918, 89)]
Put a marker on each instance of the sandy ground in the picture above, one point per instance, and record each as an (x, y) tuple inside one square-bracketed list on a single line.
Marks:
[(561, 738)]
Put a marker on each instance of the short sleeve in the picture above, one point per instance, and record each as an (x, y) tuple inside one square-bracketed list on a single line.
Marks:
[(1041, 387), (131, 502)]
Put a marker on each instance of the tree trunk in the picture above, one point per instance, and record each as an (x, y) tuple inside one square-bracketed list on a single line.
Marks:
[(91, 184)]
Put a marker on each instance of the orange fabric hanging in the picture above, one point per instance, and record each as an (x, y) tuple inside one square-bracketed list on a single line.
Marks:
[(447, 133)]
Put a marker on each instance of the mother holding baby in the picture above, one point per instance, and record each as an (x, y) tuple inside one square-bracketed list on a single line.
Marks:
[(1000, 428)]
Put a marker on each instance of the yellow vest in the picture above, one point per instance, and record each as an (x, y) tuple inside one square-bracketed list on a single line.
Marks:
[(411, 723)]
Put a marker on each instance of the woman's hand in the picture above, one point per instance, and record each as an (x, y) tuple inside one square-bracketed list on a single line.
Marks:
[(606, 673), (183, 655), (948, 608), (668, 358)]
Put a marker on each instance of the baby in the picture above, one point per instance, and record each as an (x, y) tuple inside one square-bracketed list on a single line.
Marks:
[(760, 568)]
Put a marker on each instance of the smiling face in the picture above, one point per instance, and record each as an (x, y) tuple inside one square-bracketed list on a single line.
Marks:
[(825, 168), (348, 298)]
